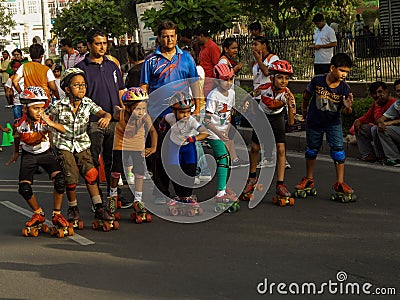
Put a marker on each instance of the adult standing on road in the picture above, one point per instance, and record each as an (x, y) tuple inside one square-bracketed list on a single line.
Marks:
[(36, 74), (70, 54), (83, 50), (324, 43), (5, 61), (208, 57), (105, 88), (168, 64)]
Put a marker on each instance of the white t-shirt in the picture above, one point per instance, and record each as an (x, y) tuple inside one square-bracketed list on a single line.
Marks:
[(272, 104), (60, 91), (49, 74), (322, 37), (182, 129), (258, 76), (220, 107), (16, 94)]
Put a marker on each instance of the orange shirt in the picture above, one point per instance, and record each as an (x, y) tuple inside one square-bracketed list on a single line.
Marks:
[(35, 74)]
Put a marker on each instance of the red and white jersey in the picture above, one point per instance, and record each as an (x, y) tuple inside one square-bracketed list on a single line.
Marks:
[(34, 139), (270, 103)]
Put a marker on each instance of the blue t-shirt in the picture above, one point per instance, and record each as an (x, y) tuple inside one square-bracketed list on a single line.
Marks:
[(104, 83), (174, 75), (326, 103)]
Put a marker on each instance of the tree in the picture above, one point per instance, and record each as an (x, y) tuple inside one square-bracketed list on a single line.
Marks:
[(6, 21), (216, 15), (74, 22)]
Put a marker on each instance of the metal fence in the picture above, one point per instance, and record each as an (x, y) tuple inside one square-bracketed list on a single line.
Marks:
[(376, 56)]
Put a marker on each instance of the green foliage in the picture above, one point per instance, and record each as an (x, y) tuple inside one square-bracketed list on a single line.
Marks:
[(216, 15), (369, 16), (74, 22), (6, 20)]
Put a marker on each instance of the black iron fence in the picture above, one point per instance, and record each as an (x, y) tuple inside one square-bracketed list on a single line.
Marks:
[(376, 56)]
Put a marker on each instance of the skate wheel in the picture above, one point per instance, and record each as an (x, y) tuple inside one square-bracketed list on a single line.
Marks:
[(148, 218), (200, 211), (95, 225), (291, 201), (217, 209), (119, 204), (133, 216), (34, 232), (25, 232), (80, 225), (106, 226), (190, 213), (275, 200), (313, 192), (231, 209), (259, 187), (45, 228), (138, 219), (53, 231), (174, 211), (282, 202), (115, 225), (60, 233), (70, 231), (117, 216)]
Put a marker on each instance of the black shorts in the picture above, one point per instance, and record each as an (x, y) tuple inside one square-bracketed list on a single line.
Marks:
[(277, 123), (134, 157), (30, 162)]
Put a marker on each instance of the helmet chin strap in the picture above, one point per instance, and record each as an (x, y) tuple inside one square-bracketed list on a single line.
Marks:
[(74, 99)]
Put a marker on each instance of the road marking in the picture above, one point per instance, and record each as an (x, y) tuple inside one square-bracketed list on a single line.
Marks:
[(76, 237)]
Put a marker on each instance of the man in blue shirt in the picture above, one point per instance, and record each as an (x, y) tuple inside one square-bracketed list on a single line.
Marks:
[(105, 88), (167, 70)]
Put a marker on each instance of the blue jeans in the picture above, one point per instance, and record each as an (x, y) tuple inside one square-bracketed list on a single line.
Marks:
[(334, 138), (17, 111)]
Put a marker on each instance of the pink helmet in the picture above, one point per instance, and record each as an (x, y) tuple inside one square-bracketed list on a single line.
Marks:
[(280, 67), (223, 72)]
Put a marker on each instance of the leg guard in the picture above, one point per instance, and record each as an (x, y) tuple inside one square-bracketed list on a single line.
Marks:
[(71, 187), (91, 176), (311, 153), (59, 183), (338, 156), (115, 175), (222, 161), (25, 190)]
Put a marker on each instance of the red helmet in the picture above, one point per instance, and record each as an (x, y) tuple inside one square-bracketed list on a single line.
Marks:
[(223, 72), (280, 67), (181, 100)]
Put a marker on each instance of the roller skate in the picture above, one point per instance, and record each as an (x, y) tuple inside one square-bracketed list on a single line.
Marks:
[(248, 192), (104, 220), (140, 215), (112, 205), (228, 203), (74, 218), (343, 193), (173, 206), (282, 197), (305, 188), (61, 226), (34, 225), (190, 206)]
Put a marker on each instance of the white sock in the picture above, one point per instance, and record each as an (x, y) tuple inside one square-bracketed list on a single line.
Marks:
[(221, 193), (113, 192), (138, 196)]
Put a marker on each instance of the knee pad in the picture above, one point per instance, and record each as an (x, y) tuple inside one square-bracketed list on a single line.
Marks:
[(224, 163), (25, 190), (59, 183), (139, 176), (91, 176), (311, 153), (71, 187), (115, 175), (338, 156)]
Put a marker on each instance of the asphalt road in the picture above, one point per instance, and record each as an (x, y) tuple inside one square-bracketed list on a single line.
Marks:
[(233, 256)]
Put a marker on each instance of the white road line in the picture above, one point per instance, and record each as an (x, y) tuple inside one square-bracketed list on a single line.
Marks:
[(76, 237)]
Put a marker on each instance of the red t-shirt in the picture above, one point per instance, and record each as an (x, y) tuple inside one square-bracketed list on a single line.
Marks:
[(208, 57), (375, 112)]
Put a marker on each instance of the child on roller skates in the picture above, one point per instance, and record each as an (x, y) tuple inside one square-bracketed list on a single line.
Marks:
[(323, 101), (32, 132), (130, 137), (220, 102), (182, 155), (275, 99), (72, 147)]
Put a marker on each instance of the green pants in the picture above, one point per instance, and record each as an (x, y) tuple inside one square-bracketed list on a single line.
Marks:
[(221, 156)]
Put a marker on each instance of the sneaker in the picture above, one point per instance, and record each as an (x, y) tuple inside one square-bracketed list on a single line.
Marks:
[(205, 177), (369, 158), (160, 200), (392, 162), (287, 165), (130, 178), (73, 213), (266, 163), (125, 203), (120, 182), (239, 163), (102, 214), (197, 180)]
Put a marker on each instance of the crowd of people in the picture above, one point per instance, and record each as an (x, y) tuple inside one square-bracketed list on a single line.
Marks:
[(67, 117)]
